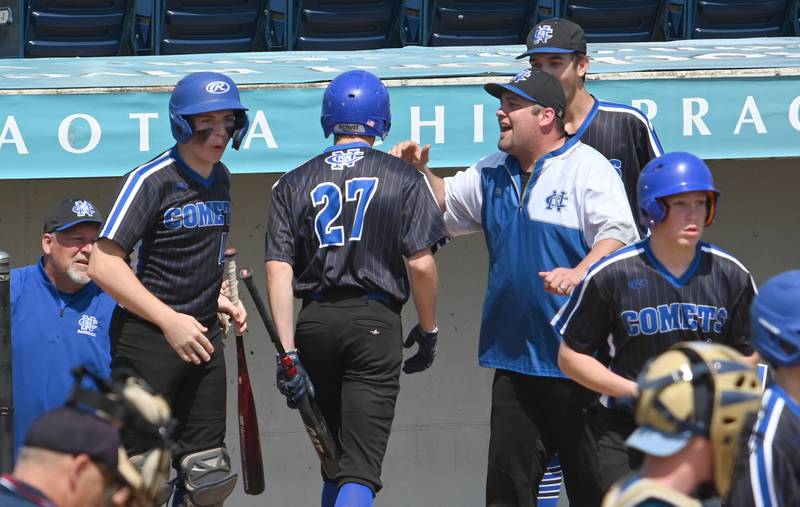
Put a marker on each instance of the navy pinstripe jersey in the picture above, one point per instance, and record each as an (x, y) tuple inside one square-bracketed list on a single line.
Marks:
[(180, 222), (346, 218), (770, 475), (624, 135), (629, 303)]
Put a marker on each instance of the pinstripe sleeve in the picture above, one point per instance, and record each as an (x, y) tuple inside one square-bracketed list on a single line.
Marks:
[(463, 200), (584, 320), (135, 211), (738, 335), (280, 236), (649, 146), (423, 225)]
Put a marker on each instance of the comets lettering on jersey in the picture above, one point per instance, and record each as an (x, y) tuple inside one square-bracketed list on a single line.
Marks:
[(198, 214), (674, 317)]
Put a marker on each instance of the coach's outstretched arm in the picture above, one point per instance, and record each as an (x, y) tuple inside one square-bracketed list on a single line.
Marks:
[(108, 268), (418, 156)]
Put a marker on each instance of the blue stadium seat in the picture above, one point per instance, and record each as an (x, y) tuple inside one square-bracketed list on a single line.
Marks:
[(466, 22), (11, 17), (606, 20), (726, 19), (331, 24), (613, 20), (206, 26), (77, 27)]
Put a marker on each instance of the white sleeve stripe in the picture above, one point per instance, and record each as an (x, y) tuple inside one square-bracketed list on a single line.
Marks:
[(761, 477), (584, 283), (128, 195), (710, 249)]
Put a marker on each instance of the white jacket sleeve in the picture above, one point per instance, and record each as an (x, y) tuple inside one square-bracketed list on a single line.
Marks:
[(463, 196), (606, 213)]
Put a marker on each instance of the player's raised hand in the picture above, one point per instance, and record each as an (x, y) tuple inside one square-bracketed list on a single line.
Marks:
[(413, 153), (423, 359), (187, 338), (561, 281)]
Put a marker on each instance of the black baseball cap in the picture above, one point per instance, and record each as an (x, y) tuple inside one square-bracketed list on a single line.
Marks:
[(71, 212), (69, 430), (555, 35), (536, 86)]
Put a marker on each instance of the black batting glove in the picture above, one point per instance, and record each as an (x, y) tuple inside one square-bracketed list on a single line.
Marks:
[(296, 387), (423, 359)]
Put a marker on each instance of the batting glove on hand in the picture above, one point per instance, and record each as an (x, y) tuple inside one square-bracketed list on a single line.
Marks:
[(423, 359), (298, 386)]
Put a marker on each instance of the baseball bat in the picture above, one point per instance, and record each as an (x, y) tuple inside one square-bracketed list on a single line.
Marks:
[(316, 427), (249, 438), (6, 377)]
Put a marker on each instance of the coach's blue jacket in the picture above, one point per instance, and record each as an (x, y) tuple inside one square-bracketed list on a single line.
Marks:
[(574, 198)]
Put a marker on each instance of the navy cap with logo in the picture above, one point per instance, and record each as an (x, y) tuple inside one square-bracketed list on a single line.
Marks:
[(71, 212), (72, 431), (533, 85), (555, 35)]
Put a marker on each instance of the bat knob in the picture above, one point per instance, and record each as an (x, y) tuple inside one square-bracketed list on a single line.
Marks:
[(230, 252)]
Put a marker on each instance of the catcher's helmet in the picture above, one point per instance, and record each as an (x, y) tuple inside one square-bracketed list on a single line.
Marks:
[(697, 389), (204, 92), (775, 319), (356, 102), (673, 173)]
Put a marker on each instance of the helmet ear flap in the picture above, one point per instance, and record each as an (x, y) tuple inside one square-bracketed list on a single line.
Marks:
[(241, 124), (652, 212), (181, 128)]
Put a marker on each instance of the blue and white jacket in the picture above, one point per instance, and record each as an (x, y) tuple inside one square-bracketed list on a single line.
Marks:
[(573, 199)]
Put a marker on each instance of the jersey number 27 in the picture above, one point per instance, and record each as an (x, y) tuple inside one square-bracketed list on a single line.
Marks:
[(329, 196)]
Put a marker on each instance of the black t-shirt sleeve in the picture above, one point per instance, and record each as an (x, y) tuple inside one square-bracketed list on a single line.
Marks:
[(423, 224), (586, 323), (135, 211), (280, 235)]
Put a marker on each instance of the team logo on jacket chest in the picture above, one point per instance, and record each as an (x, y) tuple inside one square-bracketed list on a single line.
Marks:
[(675, 317), (338, 160), (87, 325), (556, 200)]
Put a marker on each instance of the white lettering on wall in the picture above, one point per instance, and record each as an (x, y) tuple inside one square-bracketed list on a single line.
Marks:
[(259, 127), (647, 106), (695, 118), (144, 128), (12, 135), (750, 114), (437, 123), (64, 133), (477, 121)]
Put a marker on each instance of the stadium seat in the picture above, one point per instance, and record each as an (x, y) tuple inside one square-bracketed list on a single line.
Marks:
[(11, 16), (335, 25), (466, 22), (206, 26), (77, 27), (725, 19), (613, 20)]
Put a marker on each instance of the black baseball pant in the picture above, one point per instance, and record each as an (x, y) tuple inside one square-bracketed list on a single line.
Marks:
[(196, 393), (532, 419), (351, 347)]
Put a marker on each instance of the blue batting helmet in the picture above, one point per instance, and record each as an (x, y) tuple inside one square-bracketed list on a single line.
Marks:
[(775, 319), (356, 102), (204, 92), (670, 174)]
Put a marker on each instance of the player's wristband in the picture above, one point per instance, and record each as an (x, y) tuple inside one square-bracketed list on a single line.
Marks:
[(429, 334)]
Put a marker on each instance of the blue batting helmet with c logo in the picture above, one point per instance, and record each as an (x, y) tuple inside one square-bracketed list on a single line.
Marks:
[(204, 92), (673, 173), (356, 102)]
